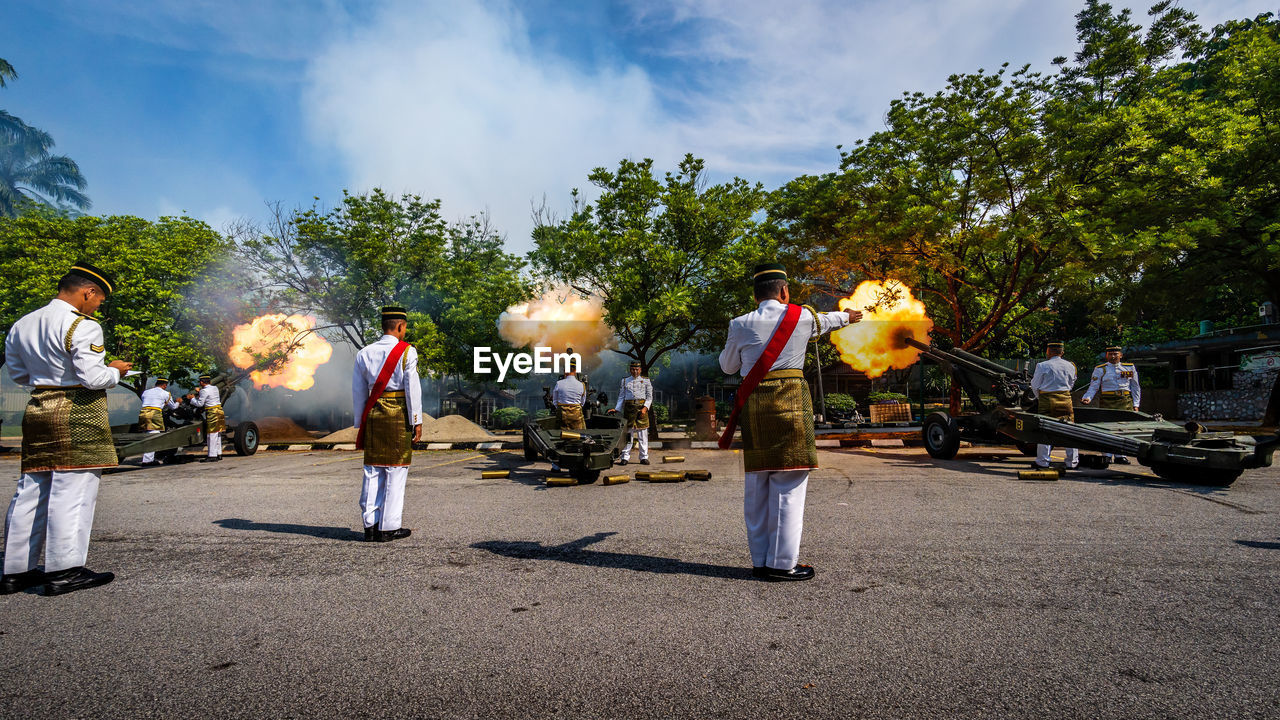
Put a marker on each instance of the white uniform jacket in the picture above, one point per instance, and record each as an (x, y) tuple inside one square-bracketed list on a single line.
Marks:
[(1115, 377), (1053, 375), (369, 363), (43, 350), (635, 388), (750, 333)]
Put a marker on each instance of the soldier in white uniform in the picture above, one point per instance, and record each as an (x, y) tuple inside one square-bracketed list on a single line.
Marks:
[(635, 397), (66, 436), (215, 420), (155, 400), (1052, 383), (777, 424), (1116, 385), (389, 424), (568, 396)]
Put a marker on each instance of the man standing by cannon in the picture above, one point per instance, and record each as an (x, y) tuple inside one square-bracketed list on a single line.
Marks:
[(66, 436), (635, 396), (768, 347), (387, 396), (568, 395), (155, 400), (215, 420), (1116, 385), (1052, 383)]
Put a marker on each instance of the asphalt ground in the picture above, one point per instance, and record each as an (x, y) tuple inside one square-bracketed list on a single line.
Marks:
[(944, 590)]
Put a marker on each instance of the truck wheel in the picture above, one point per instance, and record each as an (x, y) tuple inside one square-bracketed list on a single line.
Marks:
[(586, 477), (530, 452), (246, 440), (1026, 448), (1186, 474), (941, 436)]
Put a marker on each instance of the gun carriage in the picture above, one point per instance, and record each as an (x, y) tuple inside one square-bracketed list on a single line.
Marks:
[(184, 427), (1006, 414), (583, 453)]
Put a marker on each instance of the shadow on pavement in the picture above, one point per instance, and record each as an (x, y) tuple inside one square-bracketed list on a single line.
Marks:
[(575, 552), (319, 531), (1262, 545)]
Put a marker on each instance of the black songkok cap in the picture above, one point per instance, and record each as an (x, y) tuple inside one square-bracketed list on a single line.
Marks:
[(1114, 348), (394, 312), (1055, 345), (162, 380), (635, 363), (768, 271), (205, 377), (97, 275)]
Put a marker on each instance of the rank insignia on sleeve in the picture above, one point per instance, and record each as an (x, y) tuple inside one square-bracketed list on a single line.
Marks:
[(97, 348)]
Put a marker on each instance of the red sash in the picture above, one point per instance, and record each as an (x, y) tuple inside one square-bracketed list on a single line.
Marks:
[(379, 387), (753, 378)]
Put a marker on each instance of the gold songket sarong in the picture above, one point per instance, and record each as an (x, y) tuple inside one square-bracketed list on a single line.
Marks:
[(151, 418), (215, 420), (1115, 400), (631, 411), (388, 437), (571, 417), (1057, 404), (777, 424), (67, 429)]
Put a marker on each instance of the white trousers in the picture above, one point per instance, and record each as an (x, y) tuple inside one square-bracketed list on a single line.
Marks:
[(1042, 455), (382, 496), (51, 512), (773, 505), (215, 444), (643, 435), (150, 457)]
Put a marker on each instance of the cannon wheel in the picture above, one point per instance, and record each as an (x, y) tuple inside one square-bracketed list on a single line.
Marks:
[(586, 477), (1026, 448), (246, 440), (1213, 477), (530, 452), (941, 435)]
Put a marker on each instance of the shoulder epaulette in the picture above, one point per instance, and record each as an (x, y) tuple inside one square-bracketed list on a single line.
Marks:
[(1100, 365)]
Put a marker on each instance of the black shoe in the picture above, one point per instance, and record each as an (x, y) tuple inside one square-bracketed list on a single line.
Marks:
[(799, 572), (17, 582), (1037, 466), (371, 533), (644, 461), (1120, 460), (73, 579), (209, 458), (153, 463), (759, 572), (399, 534), (622, 462)]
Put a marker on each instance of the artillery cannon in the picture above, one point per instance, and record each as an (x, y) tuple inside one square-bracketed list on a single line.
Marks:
[(1180, 453), (184, 427), (583, 453)]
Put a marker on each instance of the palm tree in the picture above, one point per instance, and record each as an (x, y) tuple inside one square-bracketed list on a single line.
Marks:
[(7, 71), (28, 173)]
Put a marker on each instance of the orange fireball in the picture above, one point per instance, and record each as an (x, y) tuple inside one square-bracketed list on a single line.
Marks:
[(889, 313), (286, 345)]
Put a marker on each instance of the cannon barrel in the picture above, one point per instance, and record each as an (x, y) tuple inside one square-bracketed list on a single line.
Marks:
[(965, 360), (977, 375)]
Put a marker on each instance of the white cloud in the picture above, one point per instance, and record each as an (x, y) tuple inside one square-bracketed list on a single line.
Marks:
[(449, 100)]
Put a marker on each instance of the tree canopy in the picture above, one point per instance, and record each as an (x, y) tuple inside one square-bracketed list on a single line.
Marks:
[(670, 257)]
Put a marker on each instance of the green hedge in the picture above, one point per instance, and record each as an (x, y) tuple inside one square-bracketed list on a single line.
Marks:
[(840, 402), (508, 417)]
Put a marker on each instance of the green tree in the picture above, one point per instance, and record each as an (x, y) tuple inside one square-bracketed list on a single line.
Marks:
[(151, 320), (343, 264), (669, 258), (6, 72)]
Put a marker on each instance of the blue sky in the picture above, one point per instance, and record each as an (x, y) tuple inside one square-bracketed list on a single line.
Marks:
[(217, 108)]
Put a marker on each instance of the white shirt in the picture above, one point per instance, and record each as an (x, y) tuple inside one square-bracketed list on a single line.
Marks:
[(1115, 377), (158, 397), (635, 388), (1053, 375), (569, 391), (39, 352), (369, 362), (750, 333), (209, 396)]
